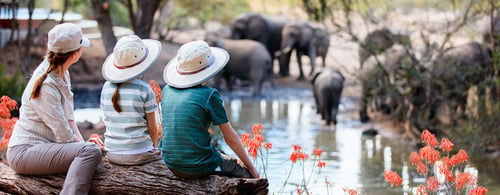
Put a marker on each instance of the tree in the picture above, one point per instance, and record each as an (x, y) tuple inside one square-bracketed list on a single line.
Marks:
[(101, 15)]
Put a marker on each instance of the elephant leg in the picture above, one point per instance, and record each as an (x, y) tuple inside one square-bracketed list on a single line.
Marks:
[(312, 57), (323, 61), (299, 61), (315, 94), (229, 82), (257, 87), (363, 115)]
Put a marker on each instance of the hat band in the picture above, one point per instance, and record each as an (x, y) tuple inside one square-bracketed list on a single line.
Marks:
[(130, 66), (212, 60)]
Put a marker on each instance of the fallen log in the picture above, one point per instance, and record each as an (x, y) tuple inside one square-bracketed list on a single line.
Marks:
[(151, 178)]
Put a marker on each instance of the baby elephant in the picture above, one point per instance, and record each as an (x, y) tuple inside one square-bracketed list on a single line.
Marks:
[(327, 88)]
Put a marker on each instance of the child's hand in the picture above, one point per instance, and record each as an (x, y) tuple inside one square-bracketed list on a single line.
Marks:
[(96, 139), (254, 172)]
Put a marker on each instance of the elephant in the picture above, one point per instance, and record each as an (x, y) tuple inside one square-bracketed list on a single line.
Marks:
[(377, 41), (301, 37), (374, 78), (458, 69), (263, 29), (327, 89), (249, 61), (322, 44)]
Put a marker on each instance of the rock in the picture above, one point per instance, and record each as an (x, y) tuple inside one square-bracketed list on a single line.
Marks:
[(151, 178)]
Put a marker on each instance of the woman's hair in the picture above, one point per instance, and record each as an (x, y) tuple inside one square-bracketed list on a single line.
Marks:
[(115, 98), (55, 60)]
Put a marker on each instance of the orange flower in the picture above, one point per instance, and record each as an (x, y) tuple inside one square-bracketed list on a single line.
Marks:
[(317, 152), (392, 177), (429, 138), (432, 184), (446, 145), (429, 153), (421, 190), (156, 89), (463, 179), (321, 164), (268, 145), (478, 191), (414, 158), (259, 138)]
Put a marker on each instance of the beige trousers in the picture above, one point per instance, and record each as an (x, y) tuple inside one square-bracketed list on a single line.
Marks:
[(78, 160)]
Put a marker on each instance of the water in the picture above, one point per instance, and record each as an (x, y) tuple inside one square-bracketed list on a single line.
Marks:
[(353, 161)]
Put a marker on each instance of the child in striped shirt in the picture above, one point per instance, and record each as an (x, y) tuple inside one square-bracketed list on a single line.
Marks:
[(128, 103)]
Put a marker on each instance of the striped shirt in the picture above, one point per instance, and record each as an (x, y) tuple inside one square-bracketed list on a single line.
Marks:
[(187, 114), (45, 119), (127, 131)]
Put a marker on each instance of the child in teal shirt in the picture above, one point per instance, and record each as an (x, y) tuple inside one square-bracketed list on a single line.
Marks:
[(188, 110)]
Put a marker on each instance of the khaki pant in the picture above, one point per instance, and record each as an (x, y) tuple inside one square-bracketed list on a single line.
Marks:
[(228, 167), (79, 160), (135, 159)]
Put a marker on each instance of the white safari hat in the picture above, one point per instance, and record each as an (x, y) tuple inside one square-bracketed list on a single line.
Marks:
[(131, 57), (194, 63), (66, 37)]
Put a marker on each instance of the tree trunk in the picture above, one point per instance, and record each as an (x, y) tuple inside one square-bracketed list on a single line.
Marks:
[(27, 56), (101, 15), (145, 13), (151, 178), (131, 15)]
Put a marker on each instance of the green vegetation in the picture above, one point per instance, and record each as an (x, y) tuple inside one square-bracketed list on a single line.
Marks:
[(11, 84)]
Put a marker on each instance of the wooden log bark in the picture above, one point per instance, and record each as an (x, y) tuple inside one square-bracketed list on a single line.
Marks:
[(151, 178)]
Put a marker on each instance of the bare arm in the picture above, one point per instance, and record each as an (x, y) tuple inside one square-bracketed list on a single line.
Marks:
[(77, 136), (234, 142), (153, 133)]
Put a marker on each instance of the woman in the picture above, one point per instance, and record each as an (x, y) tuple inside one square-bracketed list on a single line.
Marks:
[(45, 139), (128, 103)]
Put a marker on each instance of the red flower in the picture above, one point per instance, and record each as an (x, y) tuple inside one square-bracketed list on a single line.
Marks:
[(156, 89), (392, 177), (463, 179), (415, 158), (446, 145), (429, 138), (245, 139), (298, 156), (321, 164), (352, 191), (432, 184), (429, 153), (421, 190), (268, 145), (478, 191), (317, 152), (421, 168), (257, 129), (296, 147)]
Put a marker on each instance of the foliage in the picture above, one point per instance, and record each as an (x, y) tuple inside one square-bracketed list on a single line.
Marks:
[(443, 174), (6, 121), (11, 85), (205, 10)]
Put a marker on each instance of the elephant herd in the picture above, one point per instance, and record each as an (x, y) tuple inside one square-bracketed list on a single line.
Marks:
[(256, 41), (393, 79)]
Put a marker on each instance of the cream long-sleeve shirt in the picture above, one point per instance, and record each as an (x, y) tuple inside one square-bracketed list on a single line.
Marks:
[(45, 119)]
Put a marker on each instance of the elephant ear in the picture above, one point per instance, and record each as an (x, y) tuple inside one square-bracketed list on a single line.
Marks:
[(314, 76)]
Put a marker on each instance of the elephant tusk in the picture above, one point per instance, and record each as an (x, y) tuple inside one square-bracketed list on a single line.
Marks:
[(281, 52)]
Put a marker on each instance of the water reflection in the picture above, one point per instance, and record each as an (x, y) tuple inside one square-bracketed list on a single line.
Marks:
[(353, 161)]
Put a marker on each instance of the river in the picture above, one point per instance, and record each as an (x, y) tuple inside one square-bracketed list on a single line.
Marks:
[(353, 161)]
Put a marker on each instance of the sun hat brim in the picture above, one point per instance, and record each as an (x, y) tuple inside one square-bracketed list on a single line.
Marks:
[(116, 75), (177, 80)]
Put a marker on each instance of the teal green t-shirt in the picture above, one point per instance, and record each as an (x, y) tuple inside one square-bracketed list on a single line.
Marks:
[(186, 115)]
